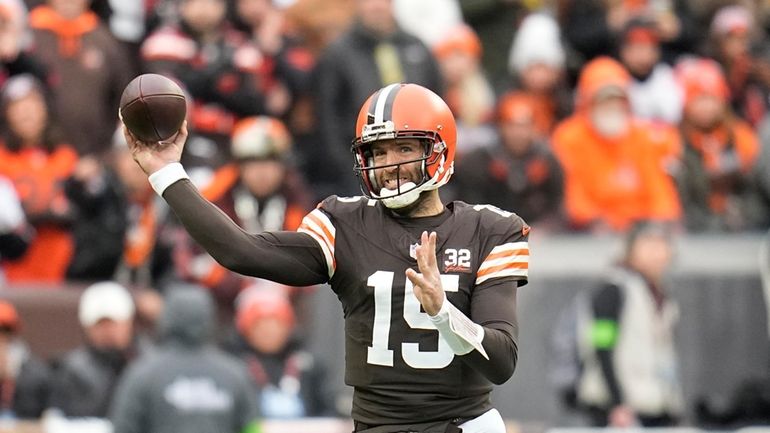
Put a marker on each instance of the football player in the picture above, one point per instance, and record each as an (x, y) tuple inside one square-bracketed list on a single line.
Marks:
[(428, 289)]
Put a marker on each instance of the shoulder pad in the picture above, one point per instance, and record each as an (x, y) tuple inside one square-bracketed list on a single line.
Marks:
[(336, 206)]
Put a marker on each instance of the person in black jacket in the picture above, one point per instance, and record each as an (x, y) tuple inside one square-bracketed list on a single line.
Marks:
[(84, 380), (24, 379), (187, 384), (372, 53)]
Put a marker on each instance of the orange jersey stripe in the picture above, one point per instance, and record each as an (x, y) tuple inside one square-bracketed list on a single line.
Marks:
[(511, 253), (494, 269), (329, 236), (304, 226)]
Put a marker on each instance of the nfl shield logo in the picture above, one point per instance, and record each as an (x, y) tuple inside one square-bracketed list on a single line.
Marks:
[(413, 251)]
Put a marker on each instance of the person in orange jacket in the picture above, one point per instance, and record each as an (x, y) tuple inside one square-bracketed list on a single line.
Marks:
[(615, 165), (37, 164), (719, 152)]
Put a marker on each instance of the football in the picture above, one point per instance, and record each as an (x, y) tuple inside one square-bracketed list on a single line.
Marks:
[(152, 107)]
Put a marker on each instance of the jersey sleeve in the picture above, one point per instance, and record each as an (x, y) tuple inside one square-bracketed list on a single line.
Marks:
[(506, 253), (319, 226)]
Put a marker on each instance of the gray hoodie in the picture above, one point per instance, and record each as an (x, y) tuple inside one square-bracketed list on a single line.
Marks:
[(187, 385)]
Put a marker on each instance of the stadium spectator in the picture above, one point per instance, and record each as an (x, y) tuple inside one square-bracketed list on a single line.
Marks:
[(227, 76), (186, 384), (521, 172), (37, 162), (654, 93), (593, 27), (537, 62), (87, 71), (121, 231), (719, 152), (260, 190), (430, 20), (496, 23), (15, 233), (290, 382), (102, 217), (741, 48), (15, 43), (84, 380), (613, 163), (291, 62), (319, 22), (630, 368), (372, 53), (146, 261), (468, 92), (24, 379)]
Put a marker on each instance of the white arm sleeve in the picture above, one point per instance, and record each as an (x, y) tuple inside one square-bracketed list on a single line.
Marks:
[(458, 330)]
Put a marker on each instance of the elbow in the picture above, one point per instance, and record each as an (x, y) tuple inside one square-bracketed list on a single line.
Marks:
[(504, 364), (501, 375)]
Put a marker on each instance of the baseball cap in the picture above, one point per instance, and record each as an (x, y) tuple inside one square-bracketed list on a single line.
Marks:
[(260, 137), (262, 300), (105, 300), (730, 20)]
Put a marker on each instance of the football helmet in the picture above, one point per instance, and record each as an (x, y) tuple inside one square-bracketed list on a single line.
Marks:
[(405, 111)]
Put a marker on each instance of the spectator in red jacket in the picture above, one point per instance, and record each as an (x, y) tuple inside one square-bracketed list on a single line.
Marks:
[(613, 163)]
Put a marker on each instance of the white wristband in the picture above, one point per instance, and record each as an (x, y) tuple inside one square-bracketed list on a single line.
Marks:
[(166, 176), (461, 333)]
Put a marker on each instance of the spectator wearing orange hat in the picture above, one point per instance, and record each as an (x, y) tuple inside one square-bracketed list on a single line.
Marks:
[(290, 381), (468, 92), (654, 93), (613, 163), (260, 190), (741, 49), (23, 378), (719, 151), (520, 172)]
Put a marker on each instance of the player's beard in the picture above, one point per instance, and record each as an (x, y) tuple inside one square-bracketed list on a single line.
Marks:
[(401, 193)]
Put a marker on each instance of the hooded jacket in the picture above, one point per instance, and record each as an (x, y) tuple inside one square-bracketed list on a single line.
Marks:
[(613, 181), (187, 385)]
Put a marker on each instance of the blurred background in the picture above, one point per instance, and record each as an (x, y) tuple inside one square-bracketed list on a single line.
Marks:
[(632, 135)]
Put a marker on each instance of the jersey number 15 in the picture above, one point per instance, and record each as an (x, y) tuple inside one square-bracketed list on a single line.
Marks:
[(379, 353)]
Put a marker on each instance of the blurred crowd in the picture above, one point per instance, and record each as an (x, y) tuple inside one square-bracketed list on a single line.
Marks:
[(579, 115)]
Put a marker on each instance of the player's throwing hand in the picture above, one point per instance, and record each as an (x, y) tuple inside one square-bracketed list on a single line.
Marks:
[(427, 284), (152, 156)]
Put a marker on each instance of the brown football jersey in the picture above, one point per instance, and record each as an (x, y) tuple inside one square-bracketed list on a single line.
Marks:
[(400, 368)]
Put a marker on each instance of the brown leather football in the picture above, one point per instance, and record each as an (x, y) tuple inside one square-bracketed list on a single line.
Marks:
[(153, 107)]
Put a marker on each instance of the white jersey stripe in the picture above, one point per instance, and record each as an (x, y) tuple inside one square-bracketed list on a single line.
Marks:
[(508, 272), (379, 107), (328, 255)]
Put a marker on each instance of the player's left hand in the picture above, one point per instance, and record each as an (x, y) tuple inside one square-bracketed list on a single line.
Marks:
[(427, 283)]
